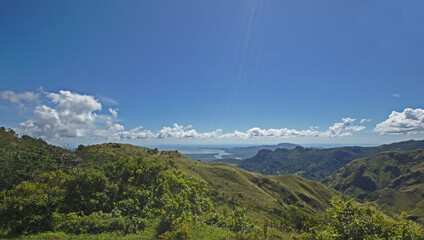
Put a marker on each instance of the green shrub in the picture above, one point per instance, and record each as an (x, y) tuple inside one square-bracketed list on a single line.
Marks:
[(28, 208), (239, 222), (95, 223), (88, 191), (349, 220), (295, 219)]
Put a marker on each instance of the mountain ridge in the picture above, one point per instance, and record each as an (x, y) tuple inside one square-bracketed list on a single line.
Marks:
[(313, 163), (394, 180)]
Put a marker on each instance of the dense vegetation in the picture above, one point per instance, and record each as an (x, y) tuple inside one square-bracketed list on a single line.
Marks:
[(316, 163), (123, 191), (394, 180), (121, 196)]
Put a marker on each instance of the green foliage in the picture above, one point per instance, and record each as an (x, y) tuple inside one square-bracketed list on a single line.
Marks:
[(315, 163), (22, 164), (295, 219), (239, 222), (123, 189), (138, 172), (349, 220), (23, 159), (394, 180), (95, 223), (88, 191), (85, 200), (28, 208)]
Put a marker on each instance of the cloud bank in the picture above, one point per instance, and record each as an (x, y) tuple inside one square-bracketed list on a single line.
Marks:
[(72, 115), (410, 121)]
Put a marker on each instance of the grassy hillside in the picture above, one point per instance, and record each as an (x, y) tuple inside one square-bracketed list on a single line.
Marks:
[(228, 184), (121, 191), (394, 180), (315, 163)]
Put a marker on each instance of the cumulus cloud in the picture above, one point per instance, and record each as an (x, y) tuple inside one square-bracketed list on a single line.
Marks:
[(410, 121), (340, 129), (117, 132), (397, 95), (271, 132), (73, 116), (179, 131), (20, 100), (344, 128)]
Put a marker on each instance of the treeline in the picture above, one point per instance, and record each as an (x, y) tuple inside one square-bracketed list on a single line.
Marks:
[(50, 190)]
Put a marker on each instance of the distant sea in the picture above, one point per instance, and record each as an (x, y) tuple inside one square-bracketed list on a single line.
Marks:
[(215, 150), (218, 151)]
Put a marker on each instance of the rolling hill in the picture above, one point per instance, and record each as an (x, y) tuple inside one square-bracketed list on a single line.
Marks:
[(228, 184), (313, 163), (394, 180), (24, 158), (117, 190)]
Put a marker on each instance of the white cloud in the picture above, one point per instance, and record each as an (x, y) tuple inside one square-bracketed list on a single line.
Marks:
[(20, 100), (410, 121), (344, 128), (72, 117), (117, 132), (179, 131), (365, 120), (108, 101), (114, 112), (397, 95)]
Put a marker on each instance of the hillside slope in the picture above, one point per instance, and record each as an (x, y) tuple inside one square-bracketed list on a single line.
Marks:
[(124, 189), (394, 180), (315, 163), (229, 185), (22, 159)]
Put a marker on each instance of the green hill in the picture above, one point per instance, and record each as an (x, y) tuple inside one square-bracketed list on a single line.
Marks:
[(22, 159), (394, 180), (121, 191), (228, 184), (315, 163)]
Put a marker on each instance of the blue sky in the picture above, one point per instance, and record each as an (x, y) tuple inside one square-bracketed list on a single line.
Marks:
[(206, 72)]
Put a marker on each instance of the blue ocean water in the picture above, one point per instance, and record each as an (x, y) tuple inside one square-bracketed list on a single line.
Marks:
[(219, 150)]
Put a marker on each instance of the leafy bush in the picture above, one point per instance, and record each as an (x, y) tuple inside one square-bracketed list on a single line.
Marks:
[(349, 220), (239, 222), (88, 191), (295, 219), (28, 208), (95, 223)]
